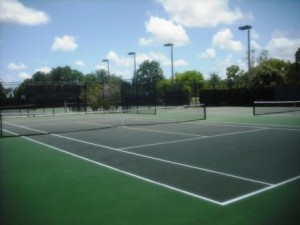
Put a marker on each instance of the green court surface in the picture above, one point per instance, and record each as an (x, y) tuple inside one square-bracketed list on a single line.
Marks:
[(233, 168)]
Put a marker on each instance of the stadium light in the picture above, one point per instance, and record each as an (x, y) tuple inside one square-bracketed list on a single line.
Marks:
[(172, 67), (134, 54), (107, 61), (247, 27)]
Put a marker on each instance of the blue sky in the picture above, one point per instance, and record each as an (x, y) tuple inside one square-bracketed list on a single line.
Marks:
[(39, 35)]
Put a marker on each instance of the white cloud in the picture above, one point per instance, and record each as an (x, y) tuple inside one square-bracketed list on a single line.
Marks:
[(64, 43), (24, 75), (119, 61), (255, 45), (180, 62), (201, 13), (100, 67), (209, 53), (124, 65), (163, 31), (161, 58), (79, 63), (44, 69), (17, 66), (283, 47), (13, 11), (224, 40), (141, 57)]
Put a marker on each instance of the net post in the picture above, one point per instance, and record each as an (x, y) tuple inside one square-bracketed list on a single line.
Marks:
[(204, 106), (253, 107)]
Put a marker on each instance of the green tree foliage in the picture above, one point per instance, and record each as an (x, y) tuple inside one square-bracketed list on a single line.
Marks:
[(191, 82), (293, 76), (270, 72), (40, 77), (148, 73), (102, 90), (2, 91), (65, 74), (192, 76), (214, 81), (233, 74)]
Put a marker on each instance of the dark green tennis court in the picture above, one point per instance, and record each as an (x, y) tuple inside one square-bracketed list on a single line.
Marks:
[(230, 158)]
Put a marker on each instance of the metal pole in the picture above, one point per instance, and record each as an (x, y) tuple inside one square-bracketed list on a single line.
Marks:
[(172, 66), (247, 27), (249, 63)]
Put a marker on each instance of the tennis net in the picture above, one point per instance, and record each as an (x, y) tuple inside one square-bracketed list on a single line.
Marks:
[(271, 107), (37, 124)]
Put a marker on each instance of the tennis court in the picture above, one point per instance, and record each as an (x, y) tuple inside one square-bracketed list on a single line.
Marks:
[(229, 158)]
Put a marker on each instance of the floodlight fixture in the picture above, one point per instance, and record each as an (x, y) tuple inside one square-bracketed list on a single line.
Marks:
[(246, 27)]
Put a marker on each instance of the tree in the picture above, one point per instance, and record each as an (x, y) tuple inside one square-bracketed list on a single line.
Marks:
[(233, 74), (192, 82), (270, 72), (297, 56), (263, 57), (148, 73), (293, 76), (144, 82), (214, 81), (102, 90), (2, 91), (66, 74), (192, 76), (40, 77)]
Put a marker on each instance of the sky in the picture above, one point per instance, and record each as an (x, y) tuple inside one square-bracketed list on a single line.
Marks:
[(38, 35)]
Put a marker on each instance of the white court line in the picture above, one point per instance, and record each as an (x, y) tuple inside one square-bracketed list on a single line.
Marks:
[(156, 159), (209, 123), (190, 139), (123, 172), (259, 191), (249, 125), (161, 131), (95, 124), (164, 185)]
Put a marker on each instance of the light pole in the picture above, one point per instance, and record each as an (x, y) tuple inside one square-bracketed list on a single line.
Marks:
[(103, 98), (172, 68), (106, 60), (134, 74), (247, 27), (133, 53)]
